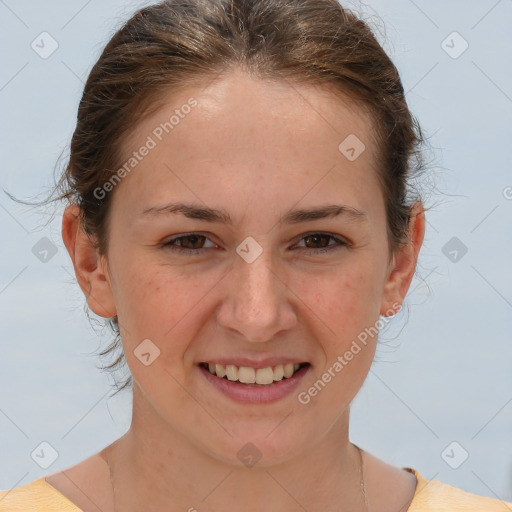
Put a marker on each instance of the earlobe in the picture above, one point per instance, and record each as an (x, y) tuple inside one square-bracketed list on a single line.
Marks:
[(404, 263), (90, 267)]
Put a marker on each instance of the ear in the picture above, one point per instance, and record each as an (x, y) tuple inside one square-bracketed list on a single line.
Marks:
[(403, 263), (90, 268)]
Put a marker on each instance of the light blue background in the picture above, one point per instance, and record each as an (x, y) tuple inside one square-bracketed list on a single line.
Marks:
[(447, 377)]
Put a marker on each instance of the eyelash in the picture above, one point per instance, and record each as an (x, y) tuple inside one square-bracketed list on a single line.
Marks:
[(340, 243)]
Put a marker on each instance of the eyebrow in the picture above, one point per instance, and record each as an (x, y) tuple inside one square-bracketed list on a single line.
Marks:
[(290, 217)]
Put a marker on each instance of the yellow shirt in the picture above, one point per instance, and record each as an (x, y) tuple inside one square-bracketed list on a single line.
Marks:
[(430, 496)]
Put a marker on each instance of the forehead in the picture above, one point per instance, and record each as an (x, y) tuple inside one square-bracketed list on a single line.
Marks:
[(255, 136)]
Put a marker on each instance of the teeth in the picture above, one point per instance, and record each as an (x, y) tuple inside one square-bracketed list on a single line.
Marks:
[(231, 372), (219, 370), (246, 375), (278, 372), (288, 370), (264, 375), (249, 375)]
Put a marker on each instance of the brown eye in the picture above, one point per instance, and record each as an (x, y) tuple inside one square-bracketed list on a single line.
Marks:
[(317, 239), (319, 242), (192, 243)]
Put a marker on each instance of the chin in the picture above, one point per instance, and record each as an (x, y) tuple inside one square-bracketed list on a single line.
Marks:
[(251, 445)]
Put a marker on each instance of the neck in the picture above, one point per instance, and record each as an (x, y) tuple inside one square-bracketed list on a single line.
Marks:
[(154, 467)]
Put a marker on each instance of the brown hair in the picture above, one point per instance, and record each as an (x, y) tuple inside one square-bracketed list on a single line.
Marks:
[(179, 42)]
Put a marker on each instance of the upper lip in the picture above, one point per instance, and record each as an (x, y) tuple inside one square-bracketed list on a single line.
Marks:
[(253, 362)]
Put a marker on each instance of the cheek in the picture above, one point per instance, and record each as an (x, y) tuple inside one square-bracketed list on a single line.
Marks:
[(142, 294), (345, 300), (164, 304), (155, 305)]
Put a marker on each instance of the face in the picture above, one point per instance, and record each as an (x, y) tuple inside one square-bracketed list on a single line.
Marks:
[(267, 285)]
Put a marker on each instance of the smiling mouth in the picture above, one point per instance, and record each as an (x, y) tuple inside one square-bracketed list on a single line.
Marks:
[(248, 375)]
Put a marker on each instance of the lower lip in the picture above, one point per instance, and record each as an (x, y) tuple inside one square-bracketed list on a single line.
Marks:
[(256, 393)]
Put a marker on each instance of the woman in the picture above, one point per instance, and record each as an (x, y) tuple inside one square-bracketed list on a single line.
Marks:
[(240, 208)]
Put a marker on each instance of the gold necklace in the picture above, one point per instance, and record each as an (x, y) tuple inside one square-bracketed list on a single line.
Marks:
[(363, 487)]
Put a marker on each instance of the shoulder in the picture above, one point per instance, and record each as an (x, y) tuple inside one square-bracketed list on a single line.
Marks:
[(37, 496), (436, 496)]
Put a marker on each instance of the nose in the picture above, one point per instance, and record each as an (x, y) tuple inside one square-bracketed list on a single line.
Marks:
[(258, 303)]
